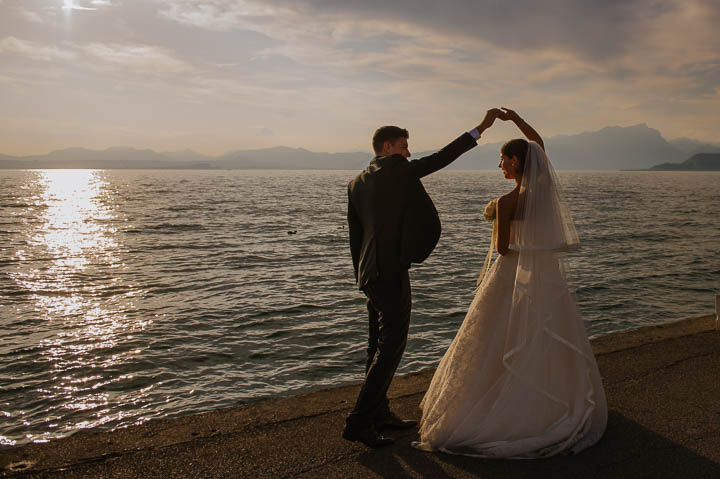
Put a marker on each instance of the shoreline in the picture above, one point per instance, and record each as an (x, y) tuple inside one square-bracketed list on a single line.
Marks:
[(311, 422), (602, 342)]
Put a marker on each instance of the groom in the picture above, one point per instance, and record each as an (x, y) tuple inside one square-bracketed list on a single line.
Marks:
[(392, 223)]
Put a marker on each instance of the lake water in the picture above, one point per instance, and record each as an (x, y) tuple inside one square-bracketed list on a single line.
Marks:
[(132, 295)]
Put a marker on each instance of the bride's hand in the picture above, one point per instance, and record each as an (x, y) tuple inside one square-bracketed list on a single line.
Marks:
[(527, 130), (509, 114)]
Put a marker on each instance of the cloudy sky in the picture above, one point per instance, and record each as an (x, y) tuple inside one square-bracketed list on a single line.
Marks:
[(216, 75)]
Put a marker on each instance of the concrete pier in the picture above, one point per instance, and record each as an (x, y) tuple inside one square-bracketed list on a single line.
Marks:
[(662, 384)]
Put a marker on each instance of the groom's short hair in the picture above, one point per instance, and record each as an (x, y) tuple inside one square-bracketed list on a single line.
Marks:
[(387, 133)]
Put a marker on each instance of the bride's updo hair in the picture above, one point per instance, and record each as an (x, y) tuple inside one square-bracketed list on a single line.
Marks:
[(517, 147)]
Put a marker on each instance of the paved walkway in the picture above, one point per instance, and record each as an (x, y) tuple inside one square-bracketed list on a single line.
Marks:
[(662, 383)]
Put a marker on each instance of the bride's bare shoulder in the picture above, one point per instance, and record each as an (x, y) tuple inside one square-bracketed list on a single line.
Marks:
[(508, 201)]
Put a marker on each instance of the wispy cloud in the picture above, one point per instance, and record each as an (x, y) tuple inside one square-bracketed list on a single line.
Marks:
[(35, 51), (135, 58), (219, 14), (82, 5), (30, 16), (127, 57)]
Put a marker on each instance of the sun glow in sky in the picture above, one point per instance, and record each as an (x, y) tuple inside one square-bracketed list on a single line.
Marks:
[(219, 75)]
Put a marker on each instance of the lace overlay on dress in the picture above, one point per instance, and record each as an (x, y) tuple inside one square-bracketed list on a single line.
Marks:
[(510, 390)]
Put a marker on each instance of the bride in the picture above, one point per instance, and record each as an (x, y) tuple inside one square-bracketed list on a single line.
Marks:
[(519, 380)]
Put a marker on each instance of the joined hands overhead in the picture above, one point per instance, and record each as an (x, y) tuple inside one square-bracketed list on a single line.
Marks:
[(506, 114), (490, 116), (503, 114)]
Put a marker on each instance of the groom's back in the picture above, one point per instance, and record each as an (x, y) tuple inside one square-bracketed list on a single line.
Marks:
[(378, 196)]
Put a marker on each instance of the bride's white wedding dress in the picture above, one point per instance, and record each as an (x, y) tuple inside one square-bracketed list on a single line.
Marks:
[(520, 380)]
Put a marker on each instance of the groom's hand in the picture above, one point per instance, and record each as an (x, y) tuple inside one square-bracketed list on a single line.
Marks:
[(490, 116)]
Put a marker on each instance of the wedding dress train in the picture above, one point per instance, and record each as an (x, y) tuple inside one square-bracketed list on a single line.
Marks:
[(520, 380)]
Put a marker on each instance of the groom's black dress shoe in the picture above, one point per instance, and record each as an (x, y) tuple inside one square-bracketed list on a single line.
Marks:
[(390, 420), (368, 436)]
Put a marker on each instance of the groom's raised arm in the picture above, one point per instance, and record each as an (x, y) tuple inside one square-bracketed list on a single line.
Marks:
[(466, 141), (432, 163)]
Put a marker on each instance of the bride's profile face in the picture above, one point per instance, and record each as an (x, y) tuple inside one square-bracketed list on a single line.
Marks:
[(508, 166)]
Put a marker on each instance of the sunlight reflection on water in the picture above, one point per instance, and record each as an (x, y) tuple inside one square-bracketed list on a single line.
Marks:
[(72, 232), (68, 231)]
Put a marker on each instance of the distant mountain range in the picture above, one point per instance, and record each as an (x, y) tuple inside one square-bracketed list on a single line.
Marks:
[(612, 148), (697, 162)]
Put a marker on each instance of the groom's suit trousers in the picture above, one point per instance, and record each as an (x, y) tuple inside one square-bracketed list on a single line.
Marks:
[(388, 303)]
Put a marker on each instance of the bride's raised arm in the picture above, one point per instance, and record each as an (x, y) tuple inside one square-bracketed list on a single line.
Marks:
[(527, 130)]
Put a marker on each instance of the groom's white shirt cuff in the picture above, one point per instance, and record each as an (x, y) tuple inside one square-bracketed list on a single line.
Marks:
[(475, 134)]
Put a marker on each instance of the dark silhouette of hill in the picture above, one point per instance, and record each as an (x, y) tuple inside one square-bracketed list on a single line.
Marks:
[(697, 162)]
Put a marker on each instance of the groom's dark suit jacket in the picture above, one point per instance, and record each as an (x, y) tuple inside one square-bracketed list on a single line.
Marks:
[(392, 220)]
